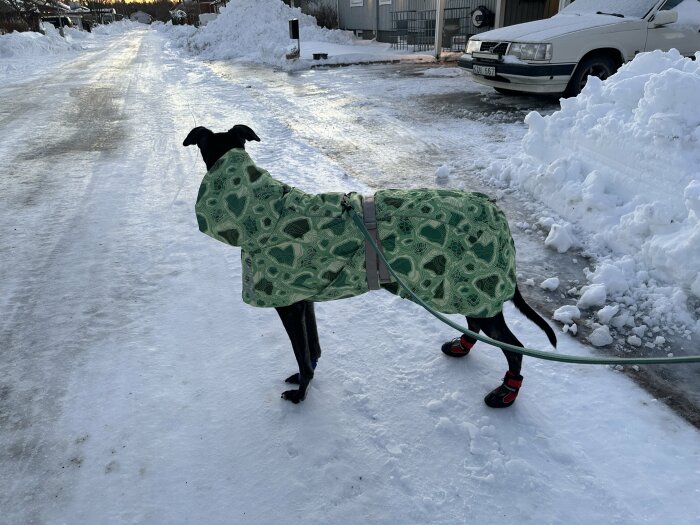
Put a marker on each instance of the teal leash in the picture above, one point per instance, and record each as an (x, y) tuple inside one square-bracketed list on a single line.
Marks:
[(539, 354)]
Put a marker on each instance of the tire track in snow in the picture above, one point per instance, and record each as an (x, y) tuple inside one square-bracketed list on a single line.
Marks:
[(367, 140)]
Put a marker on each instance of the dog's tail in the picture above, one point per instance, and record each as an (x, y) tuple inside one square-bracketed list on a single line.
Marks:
[(533, 316)]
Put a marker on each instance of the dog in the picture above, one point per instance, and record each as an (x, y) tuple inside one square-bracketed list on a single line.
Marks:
[(453, 248)]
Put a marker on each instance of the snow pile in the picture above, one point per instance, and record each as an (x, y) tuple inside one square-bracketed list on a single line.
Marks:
[(257, 31), (179, 35), (32, 44), (621, 162), (601, 336), (442, 175), (22, 54), (550, 284), (116, 28), (15, 44)]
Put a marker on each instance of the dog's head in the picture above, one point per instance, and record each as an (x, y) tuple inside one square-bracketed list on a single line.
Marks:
[(213, 145)]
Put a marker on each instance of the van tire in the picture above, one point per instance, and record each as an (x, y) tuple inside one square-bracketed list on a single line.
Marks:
[(601, 66)]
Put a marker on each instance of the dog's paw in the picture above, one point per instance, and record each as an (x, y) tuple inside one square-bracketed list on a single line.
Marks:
[(295, 396), (504, 396), (293, 379)]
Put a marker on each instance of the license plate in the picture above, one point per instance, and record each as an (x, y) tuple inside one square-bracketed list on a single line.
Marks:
[(487, 71)]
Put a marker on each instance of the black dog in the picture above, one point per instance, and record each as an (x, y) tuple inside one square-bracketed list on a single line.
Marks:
[(300, 322)]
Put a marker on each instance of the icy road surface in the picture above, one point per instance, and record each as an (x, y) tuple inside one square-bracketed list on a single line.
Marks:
[(135, 387)]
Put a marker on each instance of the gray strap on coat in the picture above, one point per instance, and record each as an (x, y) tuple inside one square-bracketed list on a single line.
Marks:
[(377, 272)]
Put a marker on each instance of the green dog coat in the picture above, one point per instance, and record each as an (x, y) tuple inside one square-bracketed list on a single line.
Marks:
[(453, 248)]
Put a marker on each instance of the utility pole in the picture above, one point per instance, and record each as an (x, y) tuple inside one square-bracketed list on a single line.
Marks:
[(439, 23), (376, 20), (60, 21)]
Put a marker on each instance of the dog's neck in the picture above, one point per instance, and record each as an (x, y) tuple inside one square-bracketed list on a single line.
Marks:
[(236, 197)]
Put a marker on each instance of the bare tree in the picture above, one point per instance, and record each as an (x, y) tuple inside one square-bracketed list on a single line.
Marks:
[(324, 11), (26, 10)]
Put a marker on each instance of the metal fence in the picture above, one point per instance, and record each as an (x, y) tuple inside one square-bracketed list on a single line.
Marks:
[(413, 28), (413, 23)]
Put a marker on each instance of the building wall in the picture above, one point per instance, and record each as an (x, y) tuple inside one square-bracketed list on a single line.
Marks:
[(519, 11), (382, 15), (358, 17)]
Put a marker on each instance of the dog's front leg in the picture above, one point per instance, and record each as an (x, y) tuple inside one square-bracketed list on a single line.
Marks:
[(312, 341), (295, 323)]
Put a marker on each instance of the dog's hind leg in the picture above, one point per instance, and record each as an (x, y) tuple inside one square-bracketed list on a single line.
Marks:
[(294, 320), (496, 328)]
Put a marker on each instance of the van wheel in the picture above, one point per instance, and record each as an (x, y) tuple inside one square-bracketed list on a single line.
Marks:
[(600, 66)]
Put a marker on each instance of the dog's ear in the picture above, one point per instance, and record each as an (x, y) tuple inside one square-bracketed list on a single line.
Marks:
[(196, 136), (244, 133)]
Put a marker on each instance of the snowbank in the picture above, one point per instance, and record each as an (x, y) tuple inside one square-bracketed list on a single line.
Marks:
[(621, 162), (179, 35), (258, 31), (117, 28), (23, 54), (31, 44), (255, 31), (15, 45)]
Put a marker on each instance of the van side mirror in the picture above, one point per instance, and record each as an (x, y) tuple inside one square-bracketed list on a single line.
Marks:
[(661, 18)]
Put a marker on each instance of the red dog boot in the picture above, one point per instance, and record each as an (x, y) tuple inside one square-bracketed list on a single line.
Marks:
[(505, 395), (458, 347)]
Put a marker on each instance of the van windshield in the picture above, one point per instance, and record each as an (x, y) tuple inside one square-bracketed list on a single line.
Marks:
[(626, 8)]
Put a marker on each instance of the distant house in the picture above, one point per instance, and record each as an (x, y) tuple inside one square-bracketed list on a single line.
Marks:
[(141, 17)]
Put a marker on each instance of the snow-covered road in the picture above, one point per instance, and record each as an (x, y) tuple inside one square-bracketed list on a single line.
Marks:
[(135, 387), (84, 258)]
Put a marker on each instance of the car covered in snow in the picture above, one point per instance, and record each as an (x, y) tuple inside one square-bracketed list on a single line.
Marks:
[(588, 37)]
